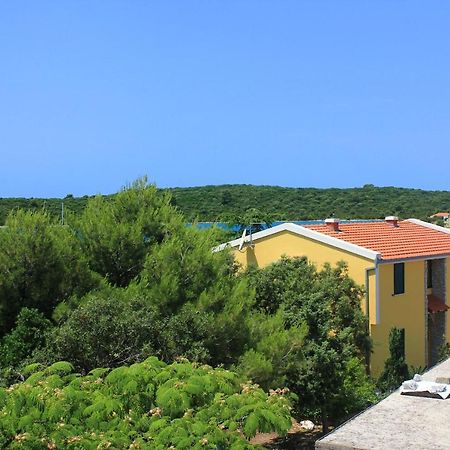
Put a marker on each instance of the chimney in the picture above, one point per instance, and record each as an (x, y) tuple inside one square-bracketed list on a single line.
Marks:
[(392, 220), (332, 224)]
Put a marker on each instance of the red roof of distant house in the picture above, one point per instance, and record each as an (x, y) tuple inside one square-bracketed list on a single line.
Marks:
[(435, 304), (406, 240), (441, 214)]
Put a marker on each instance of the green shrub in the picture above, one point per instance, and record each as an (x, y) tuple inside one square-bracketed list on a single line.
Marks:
[(149, 405), (28, 334), (395, 367)]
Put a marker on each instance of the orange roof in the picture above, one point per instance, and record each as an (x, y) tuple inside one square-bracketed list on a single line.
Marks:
[(407, 240), (441, 214)]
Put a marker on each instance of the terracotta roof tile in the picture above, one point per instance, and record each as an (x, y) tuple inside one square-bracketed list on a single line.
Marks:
[(441, 214), (407, 240)]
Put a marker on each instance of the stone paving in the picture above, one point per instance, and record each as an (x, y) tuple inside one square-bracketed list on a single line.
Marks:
[(397, 422)]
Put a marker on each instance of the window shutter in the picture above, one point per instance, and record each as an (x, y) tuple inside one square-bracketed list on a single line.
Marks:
[(399, 278)]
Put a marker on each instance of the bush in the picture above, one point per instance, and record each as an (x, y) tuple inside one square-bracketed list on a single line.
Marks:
[(147, 406), (28, 334), (115, 327), (395, 367)]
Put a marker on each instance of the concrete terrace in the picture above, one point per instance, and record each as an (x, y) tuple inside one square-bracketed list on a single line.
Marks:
[(397, 422)]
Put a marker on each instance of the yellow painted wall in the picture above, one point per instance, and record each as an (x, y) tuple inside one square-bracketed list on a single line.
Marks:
[(406, 311), (403, 311), (271, 248), (447, 298)]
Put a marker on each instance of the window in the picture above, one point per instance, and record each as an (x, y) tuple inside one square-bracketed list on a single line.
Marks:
[(399, 278), (429, 274)]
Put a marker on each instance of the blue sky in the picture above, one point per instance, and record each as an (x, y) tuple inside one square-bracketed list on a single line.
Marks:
[(94, 94)]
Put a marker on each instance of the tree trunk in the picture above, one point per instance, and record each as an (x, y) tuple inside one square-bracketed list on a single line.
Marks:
[(324, 422)]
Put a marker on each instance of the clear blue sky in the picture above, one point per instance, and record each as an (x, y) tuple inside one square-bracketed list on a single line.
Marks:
[(298, 93)]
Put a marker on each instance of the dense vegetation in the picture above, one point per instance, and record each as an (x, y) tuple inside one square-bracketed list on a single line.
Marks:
[(367, 202), (212, 203), (395, 368), (149, 405), (52, 205), (125, 282), (331, 380)]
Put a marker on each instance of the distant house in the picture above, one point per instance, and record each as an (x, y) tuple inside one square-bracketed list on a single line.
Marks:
[(403, 265), (441, 215)]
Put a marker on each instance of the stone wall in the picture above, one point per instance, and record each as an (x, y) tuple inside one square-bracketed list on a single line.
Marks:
[(438, 271), (436, 321), (436, 335)]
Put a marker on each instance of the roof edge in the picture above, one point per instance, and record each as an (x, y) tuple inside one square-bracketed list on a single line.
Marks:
[(415, 258), (305, 232), (429, 225)]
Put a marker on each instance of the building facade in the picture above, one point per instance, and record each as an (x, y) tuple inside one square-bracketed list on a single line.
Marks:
[(404, 267)]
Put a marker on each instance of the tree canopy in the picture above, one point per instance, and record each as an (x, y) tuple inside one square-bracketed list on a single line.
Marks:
[(331, 383), (41, 264), (126, 280), (220, 203)]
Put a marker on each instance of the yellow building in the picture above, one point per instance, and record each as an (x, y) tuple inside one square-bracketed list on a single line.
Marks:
[(403, 266)]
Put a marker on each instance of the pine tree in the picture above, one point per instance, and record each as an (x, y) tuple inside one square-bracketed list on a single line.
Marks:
[(395, 367)]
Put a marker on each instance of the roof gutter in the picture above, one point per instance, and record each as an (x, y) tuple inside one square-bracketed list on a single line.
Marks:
[(414, 258), (367, 355), (377, 292), (369, 269)]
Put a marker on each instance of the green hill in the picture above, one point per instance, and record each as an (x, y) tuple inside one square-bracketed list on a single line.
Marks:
[(211, 203)]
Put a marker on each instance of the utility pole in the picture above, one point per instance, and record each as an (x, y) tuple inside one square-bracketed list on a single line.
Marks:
[(62, 213)]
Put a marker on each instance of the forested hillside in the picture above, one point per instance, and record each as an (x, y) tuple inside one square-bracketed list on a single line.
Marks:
[(52, 205), (211, 203), (369, 202)]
